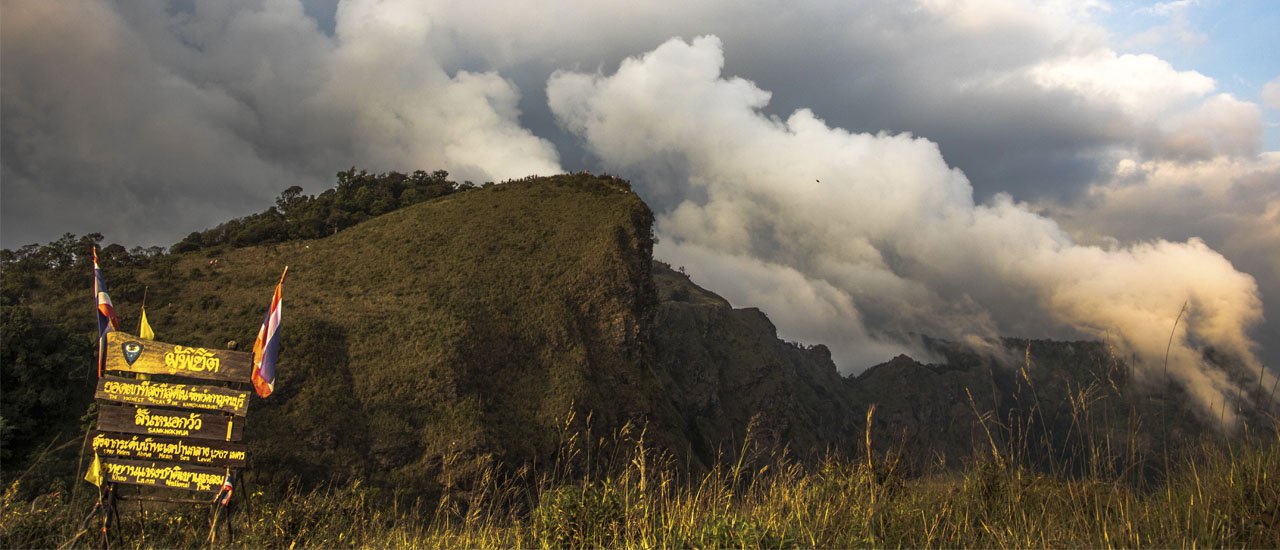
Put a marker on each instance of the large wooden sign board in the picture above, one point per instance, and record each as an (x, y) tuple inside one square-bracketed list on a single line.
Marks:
[(128, 353), (181, 433)]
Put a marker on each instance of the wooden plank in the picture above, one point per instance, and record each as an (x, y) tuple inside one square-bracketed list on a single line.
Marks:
[(128, 353), (149, 421), (201, 479), (182, 396), (187, 451)]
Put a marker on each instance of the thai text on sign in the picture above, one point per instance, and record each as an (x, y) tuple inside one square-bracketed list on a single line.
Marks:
[(149, 421), (128, 353), (186, 396), (203, 479), (196, 451)]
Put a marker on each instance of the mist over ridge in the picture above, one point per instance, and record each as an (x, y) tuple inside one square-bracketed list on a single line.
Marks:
[(856, 240)]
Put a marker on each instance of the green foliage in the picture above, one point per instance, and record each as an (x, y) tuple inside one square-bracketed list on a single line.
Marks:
[(46, 369), (48, 328), (312, 431), (589, 516), (358, 196), (48, 335), (60, 264)]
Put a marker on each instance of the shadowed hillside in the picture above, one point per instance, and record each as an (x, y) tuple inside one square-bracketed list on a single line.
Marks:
[(447, 332), (431, 342), (726, 370)]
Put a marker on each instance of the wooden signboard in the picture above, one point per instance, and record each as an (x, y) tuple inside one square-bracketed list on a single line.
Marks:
[(128, 353), (189, 451), (178, 432), (149, 421), (183, 396), (202, 479)]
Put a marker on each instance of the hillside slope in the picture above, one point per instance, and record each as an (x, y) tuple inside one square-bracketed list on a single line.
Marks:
[(461, 328), (429, 342)]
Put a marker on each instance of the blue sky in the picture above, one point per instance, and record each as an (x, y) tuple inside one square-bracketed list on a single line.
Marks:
[(1235, 42)]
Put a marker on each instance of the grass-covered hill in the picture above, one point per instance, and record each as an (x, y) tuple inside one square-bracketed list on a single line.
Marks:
[(441, 337), (421, 342), (430, 341), (514, 354)]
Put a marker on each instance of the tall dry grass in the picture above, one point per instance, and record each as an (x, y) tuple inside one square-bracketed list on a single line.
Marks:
[(618, 491)]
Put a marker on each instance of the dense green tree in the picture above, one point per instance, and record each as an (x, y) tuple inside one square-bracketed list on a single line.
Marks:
[(39, 361), (357, 196)]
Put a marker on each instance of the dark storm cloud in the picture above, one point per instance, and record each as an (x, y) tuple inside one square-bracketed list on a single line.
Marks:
[(145, 121), (91, 125), (962, 74)]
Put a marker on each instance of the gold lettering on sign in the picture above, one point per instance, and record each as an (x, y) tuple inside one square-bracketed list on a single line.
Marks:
[(146, 447), (191, 359), (169, 425), (170, 476), (175, 395)]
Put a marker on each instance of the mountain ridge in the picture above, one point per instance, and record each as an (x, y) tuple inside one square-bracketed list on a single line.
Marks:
[(429, 343)]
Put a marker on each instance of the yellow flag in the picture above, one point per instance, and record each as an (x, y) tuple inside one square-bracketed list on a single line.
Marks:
[(145, 332), (144, 328), (94, 475)]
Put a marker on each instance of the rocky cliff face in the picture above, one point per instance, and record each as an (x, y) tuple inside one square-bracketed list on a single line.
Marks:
[(726, 370), (1045, 403)]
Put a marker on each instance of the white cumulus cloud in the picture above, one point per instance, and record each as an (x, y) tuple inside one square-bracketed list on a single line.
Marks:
[(875, 233), (1271, 94)]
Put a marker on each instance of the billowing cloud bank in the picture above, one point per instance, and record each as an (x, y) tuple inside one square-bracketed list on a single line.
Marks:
[(860, 239)]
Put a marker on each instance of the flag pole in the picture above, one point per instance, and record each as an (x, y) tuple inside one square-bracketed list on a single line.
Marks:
[(144, 327), (101, 336)]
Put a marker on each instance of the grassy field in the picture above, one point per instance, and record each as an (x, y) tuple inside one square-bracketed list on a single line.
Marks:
[(619, 492)]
